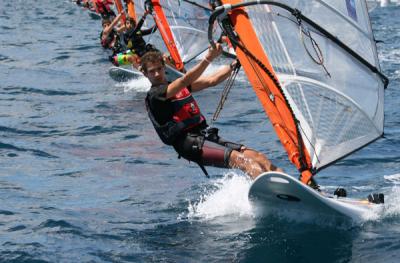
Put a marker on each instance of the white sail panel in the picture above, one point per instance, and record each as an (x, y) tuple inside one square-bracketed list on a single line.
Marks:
[(189, 24), (338, 101)]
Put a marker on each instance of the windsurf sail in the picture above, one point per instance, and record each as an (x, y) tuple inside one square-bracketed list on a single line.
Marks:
[(120, 9), (164, 28), (183, 23), (130, 5), (314, 66)]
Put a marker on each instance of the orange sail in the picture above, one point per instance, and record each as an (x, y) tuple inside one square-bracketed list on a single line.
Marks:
[(166, 33), (120, 9), (268, 90), (131, 9)]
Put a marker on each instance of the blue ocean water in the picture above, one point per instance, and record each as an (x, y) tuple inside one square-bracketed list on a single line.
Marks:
[(84, 178)]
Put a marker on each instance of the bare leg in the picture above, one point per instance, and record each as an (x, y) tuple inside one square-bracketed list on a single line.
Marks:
[(251, 162)]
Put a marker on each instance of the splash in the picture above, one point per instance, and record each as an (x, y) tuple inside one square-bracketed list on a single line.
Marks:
[(394, 178), (391, 208), (392, 199), (392, 203), (141, 84), (228, 198)]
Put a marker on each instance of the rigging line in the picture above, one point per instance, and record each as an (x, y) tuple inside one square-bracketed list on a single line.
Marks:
[(225, 92), (320, 57), (296, 22)]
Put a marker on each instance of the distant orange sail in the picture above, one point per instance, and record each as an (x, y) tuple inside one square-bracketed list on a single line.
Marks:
[(131, 9), (166, 33), (268, 92), (120, 9)]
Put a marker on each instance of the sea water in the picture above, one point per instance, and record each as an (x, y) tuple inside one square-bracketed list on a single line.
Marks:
[(84, 177)]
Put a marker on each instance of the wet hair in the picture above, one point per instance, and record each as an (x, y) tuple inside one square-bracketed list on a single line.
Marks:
[(105, 21), (151, 57)]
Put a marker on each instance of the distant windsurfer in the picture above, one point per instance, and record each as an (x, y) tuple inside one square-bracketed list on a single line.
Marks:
[(179, 122), (109, 37), (133, 35), (136, 46), (132, 38), (103, 8)]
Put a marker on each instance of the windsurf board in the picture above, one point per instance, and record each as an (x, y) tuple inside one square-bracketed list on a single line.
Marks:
[(275, 190)]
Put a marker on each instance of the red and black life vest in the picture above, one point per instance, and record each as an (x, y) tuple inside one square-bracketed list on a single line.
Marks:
[(186, 115), (104, 7)]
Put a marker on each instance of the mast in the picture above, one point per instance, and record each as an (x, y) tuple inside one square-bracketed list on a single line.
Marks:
[(131, 9), (120, 10), (166, 33)]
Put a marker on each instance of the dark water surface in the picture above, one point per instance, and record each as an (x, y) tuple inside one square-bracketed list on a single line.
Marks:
[(84, 178)]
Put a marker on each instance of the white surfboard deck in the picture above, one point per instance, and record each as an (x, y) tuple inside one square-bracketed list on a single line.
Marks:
[(279, 191), (123, 74)]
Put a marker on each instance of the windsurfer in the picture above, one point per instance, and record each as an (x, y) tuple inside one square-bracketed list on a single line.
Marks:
[(179, 122), (103, 8), (137, 46), (133, 40), (109, 35), (133, 35)]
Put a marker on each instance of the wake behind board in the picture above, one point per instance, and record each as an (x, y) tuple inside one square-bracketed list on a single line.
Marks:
[(279, 191), (123, 74)]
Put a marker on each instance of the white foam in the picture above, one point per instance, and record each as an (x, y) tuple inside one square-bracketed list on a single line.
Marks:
[(391, 208), (229, 198), (364, 188), (391, 56), (394, 178), (392, 203), (141, 84), (397, 74)]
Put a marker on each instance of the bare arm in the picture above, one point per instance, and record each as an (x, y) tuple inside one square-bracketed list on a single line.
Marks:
[(107, 30), (193, 74)]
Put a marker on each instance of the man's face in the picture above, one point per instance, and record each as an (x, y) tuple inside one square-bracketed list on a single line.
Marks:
[(130, 24), (155, 72)]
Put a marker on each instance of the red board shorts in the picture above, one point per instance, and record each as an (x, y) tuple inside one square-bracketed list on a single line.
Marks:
[(205, 150)]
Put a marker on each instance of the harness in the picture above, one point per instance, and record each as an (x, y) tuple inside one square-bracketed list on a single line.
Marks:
[(135, 41), (185, 116)]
